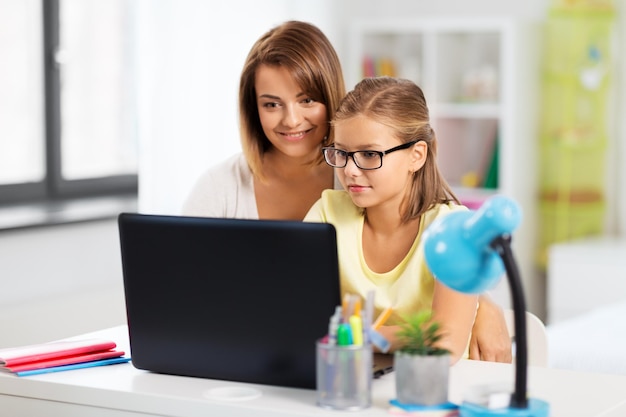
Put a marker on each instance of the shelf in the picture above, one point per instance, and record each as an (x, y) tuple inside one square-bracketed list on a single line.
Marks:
[(459, 64), (473, 198)]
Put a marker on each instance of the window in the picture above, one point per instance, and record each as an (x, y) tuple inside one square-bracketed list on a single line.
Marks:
[(67, 109), (22, 155)]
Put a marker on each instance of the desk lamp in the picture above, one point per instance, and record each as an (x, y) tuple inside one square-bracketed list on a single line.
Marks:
[(469, 251)]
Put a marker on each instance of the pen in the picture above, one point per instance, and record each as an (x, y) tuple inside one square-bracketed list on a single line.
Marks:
[(378, 340), (382, 318), (369, 313), (350, 311), (380, 372), (333, 326)]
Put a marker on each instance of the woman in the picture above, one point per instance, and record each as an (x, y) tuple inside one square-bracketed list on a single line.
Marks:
[(290, 85)]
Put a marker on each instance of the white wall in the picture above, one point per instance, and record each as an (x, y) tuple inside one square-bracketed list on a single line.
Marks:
[(59, 281), (190, 114), (192, 53)]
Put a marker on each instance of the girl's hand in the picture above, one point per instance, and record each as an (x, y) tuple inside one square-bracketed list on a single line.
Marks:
[(490, 339)]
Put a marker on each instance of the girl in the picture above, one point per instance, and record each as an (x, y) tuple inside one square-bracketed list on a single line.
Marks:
[(384, 156)]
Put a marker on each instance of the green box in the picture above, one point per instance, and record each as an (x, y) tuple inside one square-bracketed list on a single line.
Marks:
[(577, 41), (563, 222), (571, 170), (573, 113)]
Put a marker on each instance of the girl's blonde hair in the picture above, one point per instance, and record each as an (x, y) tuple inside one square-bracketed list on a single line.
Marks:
[(308, 55), (400, 105)]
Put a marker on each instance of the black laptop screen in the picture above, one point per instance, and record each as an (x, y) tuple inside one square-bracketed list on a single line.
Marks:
[(231, 299)]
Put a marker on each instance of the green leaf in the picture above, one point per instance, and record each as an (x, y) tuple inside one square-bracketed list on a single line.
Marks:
[(419, 335)]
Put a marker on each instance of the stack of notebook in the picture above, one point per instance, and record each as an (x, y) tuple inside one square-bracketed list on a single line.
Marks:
[(60, 356)]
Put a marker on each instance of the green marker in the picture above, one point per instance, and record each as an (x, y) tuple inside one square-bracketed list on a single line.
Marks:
[(344, 335)]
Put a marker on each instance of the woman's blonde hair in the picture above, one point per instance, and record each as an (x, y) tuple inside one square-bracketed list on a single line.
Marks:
[(400, 105), (308, 55)]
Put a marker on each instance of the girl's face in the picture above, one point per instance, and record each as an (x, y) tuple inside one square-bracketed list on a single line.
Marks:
[(387, 185), (292, 120)]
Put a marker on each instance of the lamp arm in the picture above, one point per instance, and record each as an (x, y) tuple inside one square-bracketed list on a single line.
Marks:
[(502, 244)]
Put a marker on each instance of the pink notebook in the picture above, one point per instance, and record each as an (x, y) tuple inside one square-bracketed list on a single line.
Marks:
[(65, 360), (54, 350)]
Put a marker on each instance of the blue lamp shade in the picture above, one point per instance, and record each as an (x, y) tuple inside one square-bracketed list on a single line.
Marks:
[(458, 248)]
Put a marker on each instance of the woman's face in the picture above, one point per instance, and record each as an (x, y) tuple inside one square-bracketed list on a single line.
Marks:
[(382, 187), (292, 120)]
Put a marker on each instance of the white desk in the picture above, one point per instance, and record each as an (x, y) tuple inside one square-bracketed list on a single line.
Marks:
[(122, 390)]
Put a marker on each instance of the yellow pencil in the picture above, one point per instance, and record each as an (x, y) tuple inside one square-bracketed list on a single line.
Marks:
[(357, 306), (345, 307), (382, 318)]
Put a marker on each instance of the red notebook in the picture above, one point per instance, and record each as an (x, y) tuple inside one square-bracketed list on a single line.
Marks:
[(66, 360), (55, 350)]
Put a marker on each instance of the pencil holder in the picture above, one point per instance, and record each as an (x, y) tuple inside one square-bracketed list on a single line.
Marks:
[(344, 376)]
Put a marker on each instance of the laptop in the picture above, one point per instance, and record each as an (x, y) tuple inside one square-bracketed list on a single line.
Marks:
[(228, 299)]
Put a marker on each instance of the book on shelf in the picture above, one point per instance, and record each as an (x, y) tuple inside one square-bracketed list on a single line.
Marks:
[(376, 67), (491, 174)]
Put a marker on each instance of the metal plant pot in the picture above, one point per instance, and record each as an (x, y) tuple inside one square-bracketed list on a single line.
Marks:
[(421, 380)]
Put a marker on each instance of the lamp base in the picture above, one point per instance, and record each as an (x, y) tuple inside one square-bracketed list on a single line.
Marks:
[(536, 408)]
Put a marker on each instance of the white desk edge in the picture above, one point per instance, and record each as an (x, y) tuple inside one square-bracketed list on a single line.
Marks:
[(122, 390)]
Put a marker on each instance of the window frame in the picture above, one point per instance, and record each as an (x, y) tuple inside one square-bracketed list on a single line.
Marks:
[(53, 187)]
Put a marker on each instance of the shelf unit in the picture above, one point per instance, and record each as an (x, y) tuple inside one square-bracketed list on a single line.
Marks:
[(480, 77), (463, 66)]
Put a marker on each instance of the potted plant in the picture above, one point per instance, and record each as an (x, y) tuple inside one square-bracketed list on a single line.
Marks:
[(421, 367)]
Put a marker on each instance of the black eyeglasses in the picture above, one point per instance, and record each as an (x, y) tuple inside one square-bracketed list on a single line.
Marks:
[(366, 160)]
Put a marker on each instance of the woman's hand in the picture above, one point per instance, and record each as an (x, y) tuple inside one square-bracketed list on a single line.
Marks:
[(490, 339)]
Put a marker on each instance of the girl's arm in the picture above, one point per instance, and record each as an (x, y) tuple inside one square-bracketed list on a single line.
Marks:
[(455, 312), (490, 336)]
